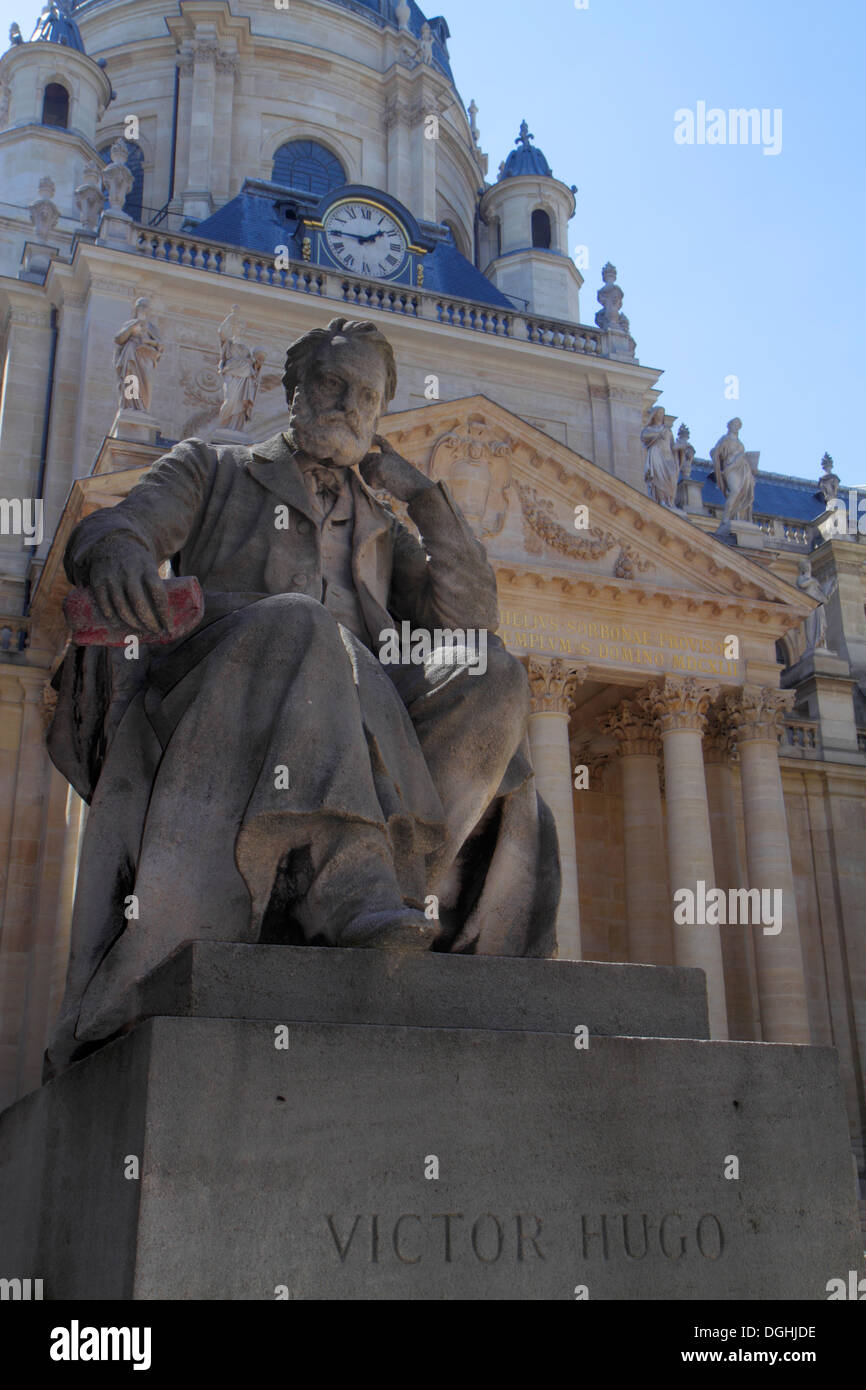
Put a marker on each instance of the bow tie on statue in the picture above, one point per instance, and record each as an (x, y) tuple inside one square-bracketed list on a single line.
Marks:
[(327, 486)]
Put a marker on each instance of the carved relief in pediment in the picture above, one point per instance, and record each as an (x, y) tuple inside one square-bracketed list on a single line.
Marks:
[(476, 464), (541, 531)]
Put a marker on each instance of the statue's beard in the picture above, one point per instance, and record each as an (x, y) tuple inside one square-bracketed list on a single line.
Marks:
[(327, 435)]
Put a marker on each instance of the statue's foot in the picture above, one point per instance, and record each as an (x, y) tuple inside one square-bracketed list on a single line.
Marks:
[(403, 931)]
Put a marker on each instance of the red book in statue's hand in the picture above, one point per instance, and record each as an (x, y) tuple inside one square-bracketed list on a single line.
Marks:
[(91, 629)]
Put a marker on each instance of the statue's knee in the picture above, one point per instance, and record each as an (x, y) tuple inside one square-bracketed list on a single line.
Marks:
[(505, 679), (284, 624)]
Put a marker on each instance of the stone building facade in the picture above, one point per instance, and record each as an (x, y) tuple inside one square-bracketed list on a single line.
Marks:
[(698, 713)]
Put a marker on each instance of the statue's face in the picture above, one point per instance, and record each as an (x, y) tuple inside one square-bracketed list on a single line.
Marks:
[(336, 408)]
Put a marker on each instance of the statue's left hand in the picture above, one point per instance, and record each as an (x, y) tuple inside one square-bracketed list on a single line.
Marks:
[(389, 472)]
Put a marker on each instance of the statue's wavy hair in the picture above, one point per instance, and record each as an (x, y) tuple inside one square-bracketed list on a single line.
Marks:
[(303, 353)]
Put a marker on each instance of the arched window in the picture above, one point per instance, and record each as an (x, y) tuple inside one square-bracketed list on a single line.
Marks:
[(134, 203), (55, 105), (307, 166), (541, 233)]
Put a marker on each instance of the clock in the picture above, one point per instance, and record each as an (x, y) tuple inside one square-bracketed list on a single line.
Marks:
[(364, 238)]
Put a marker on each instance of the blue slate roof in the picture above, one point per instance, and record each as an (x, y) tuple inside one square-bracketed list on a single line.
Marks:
[(254, 221), (58, 26), (526, 159), (792, 499)]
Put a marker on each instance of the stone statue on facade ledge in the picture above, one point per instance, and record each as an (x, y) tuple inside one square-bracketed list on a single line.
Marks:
[(684, 453), (90, 198), (241, 370), (735, 472), (44, 213), (336, 754), (828, 486), (815, 626), (661, 473), (117, 178), (137, 353), (610, 297)]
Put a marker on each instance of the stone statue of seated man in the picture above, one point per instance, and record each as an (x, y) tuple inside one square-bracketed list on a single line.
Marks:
[(267, 777)]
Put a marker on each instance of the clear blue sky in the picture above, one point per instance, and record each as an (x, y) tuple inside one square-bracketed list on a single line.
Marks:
[(732, 261)]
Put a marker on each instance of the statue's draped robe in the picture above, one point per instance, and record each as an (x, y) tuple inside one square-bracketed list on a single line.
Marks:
[(239, 385), (192, 832), (734, 477), (661, 471)]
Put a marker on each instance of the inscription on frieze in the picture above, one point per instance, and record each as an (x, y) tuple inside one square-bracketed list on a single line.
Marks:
[(617, 643)]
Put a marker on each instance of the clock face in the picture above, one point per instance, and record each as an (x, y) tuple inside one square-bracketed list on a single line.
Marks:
[(365, 239)]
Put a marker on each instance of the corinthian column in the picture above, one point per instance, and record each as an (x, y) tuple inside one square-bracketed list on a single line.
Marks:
[(741, 987), (553, 684), (648, 902), (756, 712), (679, 707)]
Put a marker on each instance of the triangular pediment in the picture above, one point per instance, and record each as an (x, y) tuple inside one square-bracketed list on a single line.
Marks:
[(550, 517)]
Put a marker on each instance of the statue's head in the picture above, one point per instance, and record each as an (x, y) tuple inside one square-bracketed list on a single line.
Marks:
[(657, 416), (338, 381), (735, 425), (140, 308), (805, 567)]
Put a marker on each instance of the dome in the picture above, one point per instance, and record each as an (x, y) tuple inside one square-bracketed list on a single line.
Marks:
[(526, 159), (56, 25)]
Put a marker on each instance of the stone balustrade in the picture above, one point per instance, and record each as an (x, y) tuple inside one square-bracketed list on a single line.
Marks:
[(803, 734), (301, 277), (14, 633)]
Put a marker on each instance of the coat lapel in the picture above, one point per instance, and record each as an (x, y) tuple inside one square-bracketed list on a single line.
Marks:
[(372, 553), (273, 465)]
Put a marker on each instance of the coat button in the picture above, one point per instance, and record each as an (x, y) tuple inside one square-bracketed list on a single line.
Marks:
[(304, 527), (300, 581)]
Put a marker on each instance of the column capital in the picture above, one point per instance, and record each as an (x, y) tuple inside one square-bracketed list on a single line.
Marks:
[(595, 760), (720, 744), (553, 684), (677, 702), (205, 50), (755, 712), (633, 727)]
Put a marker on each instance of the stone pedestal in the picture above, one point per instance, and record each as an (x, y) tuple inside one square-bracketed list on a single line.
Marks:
[(115, 229), (231, 437), (690, 495), (136, 426), (825, 689), (36, 260), (426, 1128)]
